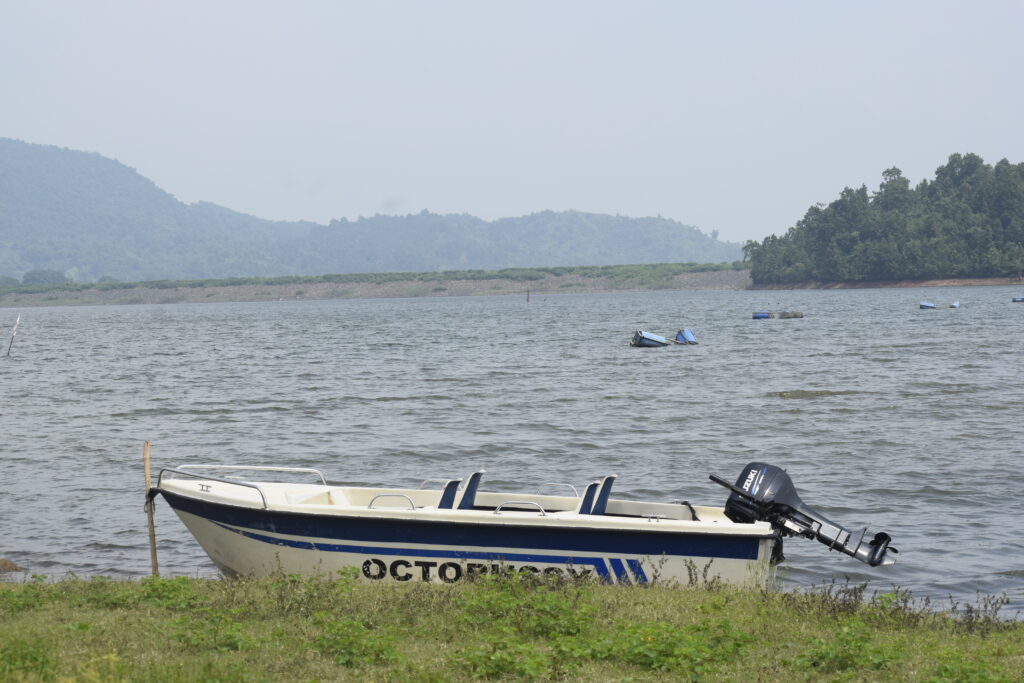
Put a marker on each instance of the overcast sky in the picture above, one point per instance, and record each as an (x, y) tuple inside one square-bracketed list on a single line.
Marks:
[(731, 116)]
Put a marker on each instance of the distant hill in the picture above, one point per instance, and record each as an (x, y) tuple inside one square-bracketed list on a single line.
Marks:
[(91, 217)]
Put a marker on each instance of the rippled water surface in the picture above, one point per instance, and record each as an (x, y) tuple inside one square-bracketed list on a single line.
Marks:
[(885, 415)]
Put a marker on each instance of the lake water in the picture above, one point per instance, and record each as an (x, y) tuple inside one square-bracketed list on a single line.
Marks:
[(904, 420)]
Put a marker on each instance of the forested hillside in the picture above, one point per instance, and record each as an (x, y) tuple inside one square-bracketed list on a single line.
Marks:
[(967, 222), (65, 213)]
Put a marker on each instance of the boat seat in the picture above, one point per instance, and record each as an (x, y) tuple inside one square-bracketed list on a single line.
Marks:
[(448, 494), (469, 492), (587, 499), (601, 501)]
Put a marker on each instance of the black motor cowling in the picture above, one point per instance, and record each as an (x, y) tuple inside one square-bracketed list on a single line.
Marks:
[(765, 493)]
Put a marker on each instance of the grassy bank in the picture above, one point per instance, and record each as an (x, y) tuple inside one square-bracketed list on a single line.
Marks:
[(287, 628), (381, 285)]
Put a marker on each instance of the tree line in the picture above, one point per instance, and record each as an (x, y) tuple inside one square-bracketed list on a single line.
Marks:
[(966, 222)]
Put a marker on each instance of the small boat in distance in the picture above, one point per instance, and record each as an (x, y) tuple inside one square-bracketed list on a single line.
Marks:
[(926, 304), (955, 304), (253, 527), (1018, 299), (766, 315), (647, 340)]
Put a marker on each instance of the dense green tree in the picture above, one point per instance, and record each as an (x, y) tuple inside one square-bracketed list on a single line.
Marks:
[(967, 222), (44, 277)]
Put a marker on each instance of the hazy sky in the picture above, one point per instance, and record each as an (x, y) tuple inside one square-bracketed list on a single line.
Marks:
[(731, 116)]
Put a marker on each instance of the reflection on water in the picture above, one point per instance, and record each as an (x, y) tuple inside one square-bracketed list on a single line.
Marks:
[(885, 415)]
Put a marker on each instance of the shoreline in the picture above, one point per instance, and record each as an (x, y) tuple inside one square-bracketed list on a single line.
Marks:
[(551, 284), (899, 284), (723, 280)]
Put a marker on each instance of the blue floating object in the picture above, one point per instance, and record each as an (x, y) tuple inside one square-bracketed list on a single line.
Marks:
[(685, 336), (777, 314), (646, 339), (1018, 299), (925, 304)]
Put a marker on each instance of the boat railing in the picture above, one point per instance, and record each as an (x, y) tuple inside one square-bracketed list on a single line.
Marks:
[(521, 502), (207, 477), (257, 468), (575, 493), (412, 505)]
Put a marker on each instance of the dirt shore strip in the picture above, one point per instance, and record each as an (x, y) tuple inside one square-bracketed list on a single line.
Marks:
[(569, 284)]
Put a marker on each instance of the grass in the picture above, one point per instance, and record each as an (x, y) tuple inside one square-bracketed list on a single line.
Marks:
[(658, 275), (645, 277), (287, 628)]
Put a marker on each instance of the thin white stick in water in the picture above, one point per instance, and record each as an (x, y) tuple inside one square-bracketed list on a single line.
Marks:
[(13, 332)]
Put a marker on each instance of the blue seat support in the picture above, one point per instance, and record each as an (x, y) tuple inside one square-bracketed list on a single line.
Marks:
[(587, 499), (469, 493), (601, 503), (448, 494)]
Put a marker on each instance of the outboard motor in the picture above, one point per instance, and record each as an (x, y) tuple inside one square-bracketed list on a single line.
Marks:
[(766, 493)]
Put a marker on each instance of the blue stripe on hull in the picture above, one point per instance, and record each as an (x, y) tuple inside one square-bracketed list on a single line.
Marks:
[(638, 570), (621, 575), (600, 568), (417, 533)]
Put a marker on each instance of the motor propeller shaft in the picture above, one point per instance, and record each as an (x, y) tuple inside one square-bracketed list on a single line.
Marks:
[(766, 493)]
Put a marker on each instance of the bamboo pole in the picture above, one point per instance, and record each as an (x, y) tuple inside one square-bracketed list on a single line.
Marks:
[(149, 511)]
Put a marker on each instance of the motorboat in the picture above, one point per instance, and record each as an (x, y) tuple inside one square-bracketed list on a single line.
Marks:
[(251, 521)]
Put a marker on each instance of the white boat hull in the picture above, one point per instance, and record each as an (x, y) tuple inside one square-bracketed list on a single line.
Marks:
[(238, 551), (252, 529)]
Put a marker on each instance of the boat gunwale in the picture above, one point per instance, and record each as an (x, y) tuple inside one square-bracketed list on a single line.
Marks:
[(482, 515), (492, 535)]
